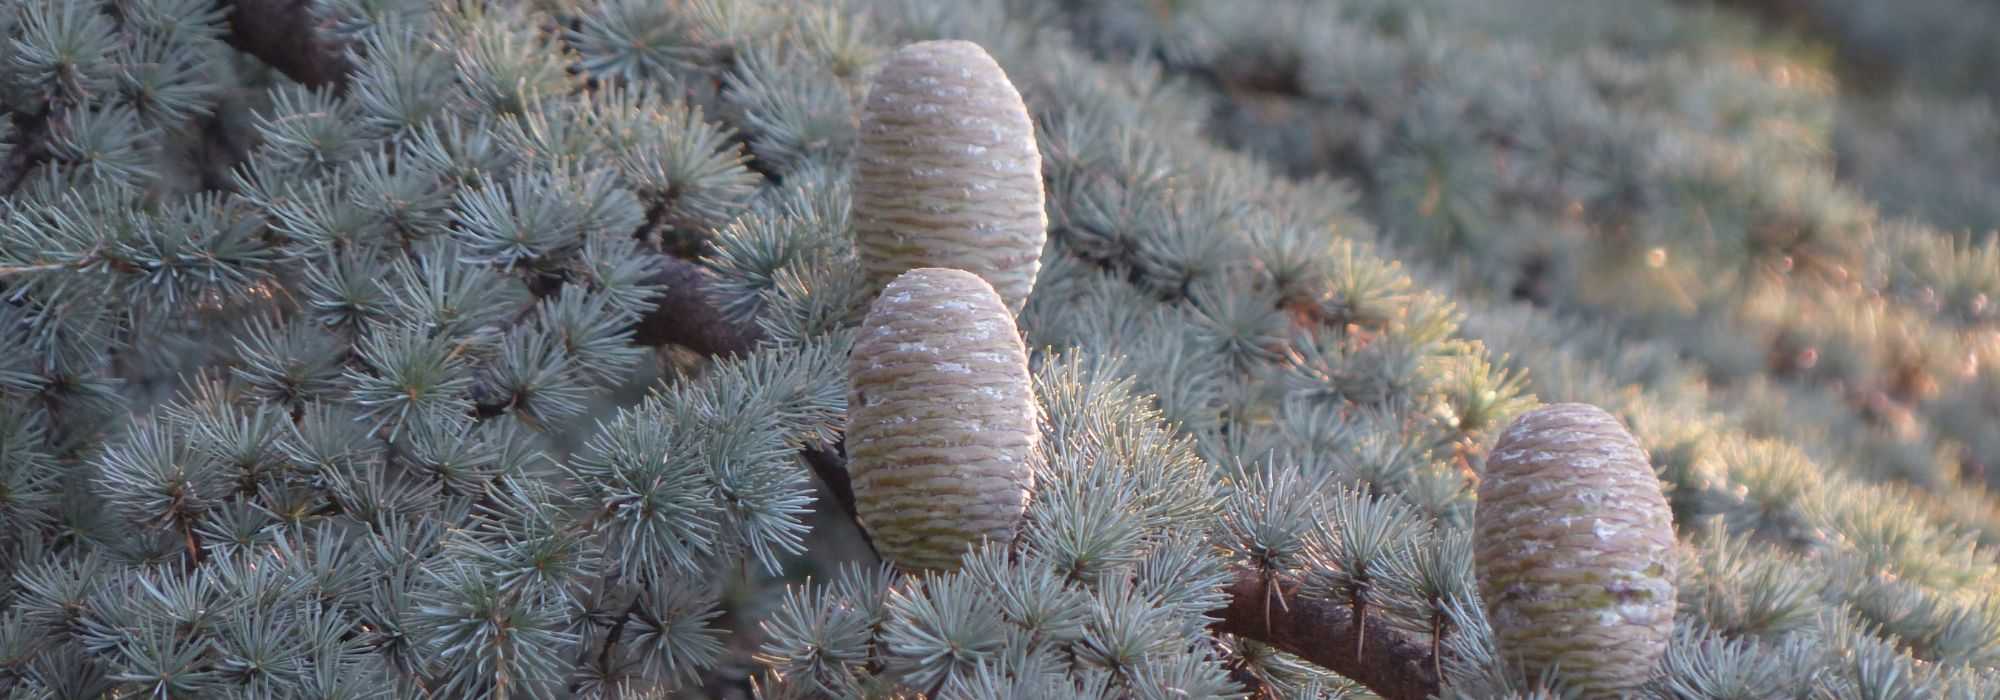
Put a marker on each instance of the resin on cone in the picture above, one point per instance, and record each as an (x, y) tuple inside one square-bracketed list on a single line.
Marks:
[(947, 172), (942, 425), (1575, 550)]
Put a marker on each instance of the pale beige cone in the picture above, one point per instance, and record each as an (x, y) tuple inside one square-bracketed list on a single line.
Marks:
[(941, 419), (1575, 550), (947, 173)]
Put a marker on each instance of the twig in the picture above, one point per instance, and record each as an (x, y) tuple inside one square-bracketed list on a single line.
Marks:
[(1357, 608), (829, 463), (1437, 643), (617, 632), (25, 269), (609, 586), (88, 258), (193, 542)]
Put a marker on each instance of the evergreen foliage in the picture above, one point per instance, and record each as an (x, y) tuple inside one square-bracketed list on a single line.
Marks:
[(501, 349)]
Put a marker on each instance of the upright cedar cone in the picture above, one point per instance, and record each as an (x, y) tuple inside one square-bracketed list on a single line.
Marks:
[(941, 420), (947, 172), (1575, 550)]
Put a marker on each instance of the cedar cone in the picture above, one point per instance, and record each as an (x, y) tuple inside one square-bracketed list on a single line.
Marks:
[(942, 423), (1575, 550), (947, 172)]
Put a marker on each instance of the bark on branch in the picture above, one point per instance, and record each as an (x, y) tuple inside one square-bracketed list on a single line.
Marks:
[(829, 463), (1391, 664), (286, 35), (30, 148), (686, 314)]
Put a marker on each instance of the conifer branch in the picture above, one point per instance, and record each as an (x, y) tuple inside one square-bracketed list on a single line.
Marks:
[(1389, 663), (827, 463), (31, 147), (616, 634), (830, 465), (1322, 632), (285, 35), (89, 258), (686, 315)]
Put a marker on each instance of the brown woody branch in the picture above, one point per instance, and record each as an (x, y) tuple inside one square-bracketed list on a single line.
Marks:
[(829, 463), (686, 314), (30, 148), (285, 35), (1391, 663)]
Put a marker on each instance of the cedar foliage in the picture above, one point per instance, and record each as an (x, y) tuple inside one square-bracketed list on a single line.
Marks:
[(501, 352)]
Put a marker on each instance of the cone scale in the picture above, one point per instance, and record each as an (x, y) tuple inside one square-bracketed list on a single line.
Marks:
[(947, 171), (1574, 549), (942, 421)]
